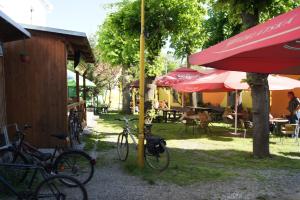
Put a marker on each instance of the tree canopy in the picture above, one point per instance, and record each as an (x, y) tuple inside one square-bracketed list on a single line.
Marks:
[(176, 21)]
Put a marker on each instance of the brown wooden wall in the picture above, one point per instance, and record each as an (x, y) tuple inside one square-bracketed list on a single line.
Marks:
[(36, 92), (2, 94)]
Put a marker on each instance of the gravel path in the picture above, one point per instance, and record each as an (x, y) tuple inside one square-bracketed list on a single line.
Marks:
[(111, 182)]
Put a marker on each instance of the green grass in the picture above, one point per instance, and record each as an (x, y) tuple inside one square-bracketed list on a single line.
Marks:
[(95, 141), (206, 157)]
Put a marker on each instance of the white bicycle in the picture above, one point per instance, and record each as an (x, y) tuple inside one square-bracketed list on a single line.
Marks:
[(155, 152)]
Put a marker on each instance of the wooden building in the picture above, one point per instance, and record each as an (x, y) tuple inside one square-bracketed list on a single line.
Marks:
[(36, 88), (9, 31)]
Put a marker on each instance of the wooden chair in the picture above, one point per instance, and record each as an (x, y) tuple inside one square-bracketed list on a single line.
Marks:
[(205, 121), (246, 125), (290, 130), (189, 123)]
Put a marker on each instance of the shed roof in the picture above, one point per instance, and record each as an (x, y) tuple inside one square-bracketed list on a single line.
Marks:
[(10, 30), (78, 40)]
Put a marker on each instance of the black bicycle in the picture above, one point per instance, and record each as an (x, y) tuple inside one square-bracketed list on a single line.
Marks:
[(74, 163), (156, 153), (49, 188)]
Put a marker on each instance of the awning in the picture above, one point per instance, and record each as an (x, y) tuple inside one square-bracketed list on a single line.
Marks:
[(272, 47), (71, 77)]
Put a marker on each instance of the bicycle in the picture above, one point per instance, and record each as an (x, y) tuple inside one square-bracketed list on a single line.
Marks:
[(74, 163), (50, 187), (156, 153), (75, 127)]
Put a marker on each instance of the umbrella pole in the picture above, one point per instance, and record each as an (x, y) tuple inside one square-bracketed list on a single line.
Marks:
[(236, 109)]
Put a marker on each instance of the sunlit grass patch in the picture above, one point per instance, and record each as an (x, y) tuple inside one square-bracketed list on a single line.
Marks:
[(95, 141)]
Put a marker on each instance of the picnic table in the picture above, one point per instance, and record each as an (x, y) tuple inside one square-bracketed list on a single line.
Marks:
[(102, 109), (170, 114), (278, 123), (199, 109)]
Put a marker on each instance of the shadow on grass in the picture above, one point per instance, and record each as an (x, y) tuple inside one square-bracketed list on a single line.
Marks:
[(192, 166)]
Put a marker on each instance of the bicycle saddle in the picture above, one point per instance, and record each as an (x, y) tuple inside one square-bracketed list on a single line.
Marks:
[(60, 136)]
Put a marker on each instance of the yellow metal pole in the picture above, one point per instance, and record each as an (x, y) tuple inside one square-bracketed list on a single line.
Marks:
[(142, 89)]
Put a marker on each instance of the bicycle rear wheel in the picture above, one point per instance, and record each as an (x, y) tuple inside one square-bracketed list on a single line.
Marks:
[(74, 135), (74, 163), (52, 188), (158, 161), (122, 146), (10, 156)]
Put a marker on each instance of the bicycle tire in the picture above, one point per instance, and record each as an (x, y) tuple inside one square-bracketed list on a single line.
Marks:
[(74, 138), (53, 184), (154, 161), (63, 161), (18, 158), (122, 147)]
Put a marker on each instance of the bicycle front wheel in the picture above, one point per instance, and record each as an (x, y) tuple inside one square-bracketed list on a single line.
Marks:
[(122, 146), (74, 163), (158, 161), (10, 156), (52, 188)]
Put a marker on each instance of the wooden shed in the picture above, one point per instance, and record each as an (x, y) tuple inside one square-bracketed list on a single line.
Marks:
[(9, 31), (36, 89)]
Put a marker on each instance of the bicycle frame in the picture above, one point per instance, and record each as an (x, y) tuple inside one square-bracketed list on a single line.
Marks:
[(20, 166), (127, 131), (29, 149)]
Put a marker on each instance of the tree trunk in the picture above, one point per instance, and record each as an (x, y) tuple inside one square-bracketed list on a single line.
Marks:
[(109, 97), (104, 97), (188, 65), (190, 95), (260, 100), (150, 88), (125, 92), (260, 110)]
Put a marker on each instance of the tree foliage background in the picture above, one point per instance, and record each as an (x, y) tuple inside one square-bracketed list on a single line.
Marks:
[(186, 26)]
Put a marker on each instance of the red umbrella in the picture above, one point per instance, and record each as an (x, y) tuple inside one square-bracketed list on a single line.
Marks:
[(272, 47), (173, 77), (221, 80), (177, 76)]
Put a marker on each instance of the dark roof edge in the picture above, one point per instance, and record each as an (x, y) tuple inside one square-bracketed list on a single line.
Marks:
[(54, 30), (16, 25)]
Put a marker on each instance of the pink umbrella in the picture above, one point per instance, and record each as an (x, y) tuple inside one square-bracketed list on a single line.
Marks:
[(221, 80), (177, 76)]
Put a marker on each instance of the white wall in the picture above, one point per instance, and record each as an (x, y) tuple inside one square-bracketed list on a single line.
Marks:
[(20, 11)]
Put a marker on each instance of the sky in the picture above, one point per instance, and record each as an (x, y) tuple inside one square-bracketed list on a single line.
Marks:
[(78, 15)]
